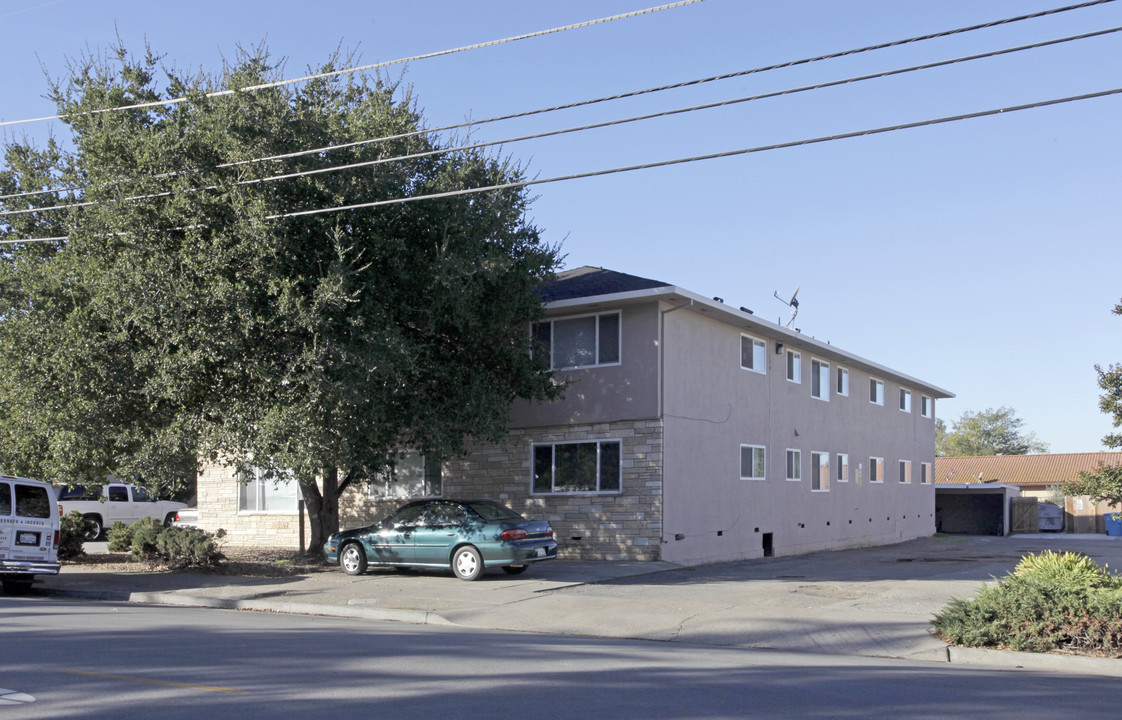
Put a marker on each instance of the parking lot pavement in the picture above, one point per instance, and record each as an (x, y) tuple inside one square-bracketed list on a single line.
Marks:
[(874, 601)]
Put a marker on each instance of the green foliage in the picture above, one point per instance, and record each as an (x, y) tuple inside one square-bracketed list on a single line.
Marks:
[(169, 547), (1066, 568), (72, 533), (1103, 485), (190, 311), (1110, 402), (1051, 602), (988, 432)]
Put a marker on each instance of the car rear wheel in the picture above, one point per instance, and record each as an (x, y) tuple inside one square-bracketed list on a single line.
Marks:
[(169, 519), (467, 563), (93, 527), (515, 569), (353, 559)]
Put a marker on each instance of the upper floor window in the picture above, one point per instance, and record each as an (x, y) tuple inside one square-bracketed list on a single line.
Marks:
[(794, 464), (925, 473), (905, 400), (577, 467), (876, 391), (905, 471), (413, 476), (843, 467), (753, 462), (820, 466), (843, 381), (926, 406), (819, 379), (753, 354), (794, 366), (584, 341)]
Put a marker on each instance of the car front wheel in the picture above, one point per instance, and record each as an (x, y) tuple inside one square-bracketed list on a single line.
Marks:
[(353, 559), (467, 563)]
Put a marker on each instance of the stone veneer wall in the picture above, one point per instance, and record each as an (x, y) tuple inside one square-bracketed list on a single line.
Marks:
[(218, 489), (623, 526)]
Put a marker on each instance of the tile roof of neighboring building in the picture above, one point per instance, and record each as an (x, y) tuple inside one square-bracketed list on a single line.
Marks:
[(592, 281), (1021, 470)]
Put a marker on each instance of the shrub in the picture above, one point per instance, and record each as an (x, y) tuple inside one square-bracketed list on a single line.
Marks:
[(1066, 568), (71, 535), (1050, 602), (171, 547), (119, 537)]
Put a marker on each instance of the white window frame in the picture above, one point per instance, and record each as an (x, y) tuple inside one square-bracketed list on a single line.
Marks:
[(794, 366), (925, 473), (876, 391), (906, 471), (820, 375), (820, 467), (759, 353), (797, 466), (905, 400), (842, 387), (263, 490), (553, 491), (926, 406), (876, 470), (843, 468), (763, 461), (405, 483), (551, 322)]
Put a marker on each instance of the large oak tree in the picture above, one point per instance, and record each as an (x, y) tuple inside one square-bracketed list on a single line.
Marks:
[(186, 308)]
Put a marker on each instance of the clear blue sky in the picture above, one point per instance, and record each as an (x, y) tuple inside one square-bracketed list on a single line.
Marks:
[(982, 256)]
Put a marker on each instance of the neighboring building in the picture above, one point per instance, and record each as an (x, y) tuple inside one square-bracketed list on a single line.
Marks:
[(690, 431), (1036, 476)]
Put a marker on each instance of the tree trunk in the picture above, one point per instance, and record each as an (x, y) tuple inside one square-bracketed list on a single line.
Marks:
[(323, 508)]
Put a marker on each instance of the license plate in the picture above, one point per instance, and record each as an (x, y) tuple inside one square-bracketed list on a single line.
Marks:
[(27, 538), (539, 552)]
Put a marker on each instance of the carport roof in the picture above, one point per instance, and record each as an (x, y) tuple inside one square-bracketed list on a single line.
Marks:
[(1020, 470)]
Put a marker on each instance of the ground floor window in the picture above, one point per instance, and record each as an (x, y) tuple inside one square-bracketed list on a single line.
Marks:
[(876, 470), (905, 471), (260, 493), (924, 473), (413, 476), (577, 467), (820, 466), (794, 464), (753, 462), (843, 467)]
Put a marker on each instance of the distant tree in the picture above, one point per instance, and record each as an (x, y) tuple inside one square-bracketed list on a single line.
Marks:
[(197, 303), (988, 432), (1105, 484)]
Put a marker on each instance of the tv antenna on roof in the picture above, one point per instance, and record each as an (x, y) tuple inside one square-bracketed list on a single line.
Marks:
[(793, 303)]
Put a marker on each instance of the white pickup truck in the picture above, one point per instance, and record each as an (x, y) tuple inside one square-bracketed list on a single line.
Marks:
[(103, 505)]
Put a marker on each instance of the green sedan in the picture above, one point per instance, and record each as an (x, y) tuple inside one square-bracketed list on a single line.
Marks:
[(465, 536)]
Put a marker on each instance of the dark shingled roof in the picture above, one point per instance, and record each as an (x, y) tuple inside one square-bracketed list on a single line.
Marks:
[(588, 281)]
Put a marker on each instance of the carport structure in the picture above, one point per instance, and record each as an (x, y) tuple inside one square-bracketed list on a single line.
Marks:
[(974, 509)]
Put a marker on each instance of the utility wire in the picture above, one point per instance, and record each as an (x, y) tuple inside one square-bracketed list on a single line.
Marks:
[(676, 161), (636, 93), (607, 123), (363, 68)]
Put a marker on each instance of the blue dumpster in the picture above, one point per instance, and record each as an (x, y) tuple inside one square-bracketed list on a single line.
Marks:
[(1113, 522)]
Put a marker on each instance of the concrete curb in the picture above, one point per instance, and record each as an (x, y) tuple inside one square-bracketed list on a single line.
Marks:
[(1050, 662), (416, 617)]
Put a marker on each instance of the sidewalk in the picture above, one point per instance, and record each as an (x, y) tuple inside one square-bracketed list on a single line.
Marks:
[(874, 602)]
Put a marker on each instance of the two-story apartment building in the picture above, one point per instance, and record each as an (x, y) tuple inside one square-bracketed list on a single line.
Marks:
[(690, 431)]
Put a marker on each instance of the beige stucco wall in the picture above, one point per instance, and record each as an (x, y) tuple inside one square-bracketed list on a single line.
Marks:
[(218, 489)]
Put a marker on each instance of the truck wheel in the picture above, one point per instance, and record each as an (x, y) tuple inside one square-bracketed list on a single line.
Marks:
[(17, 587), (93, 527), (169, 519)]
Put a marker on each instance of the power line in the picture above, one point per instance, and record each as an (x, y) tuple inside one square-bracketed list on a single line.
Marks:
[(635, 93), (363, 68), (607, 123), (677, 161)]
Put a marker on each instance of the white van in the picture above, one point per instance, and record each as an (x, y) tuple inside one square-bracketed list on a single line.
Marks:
[(29, 530)]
